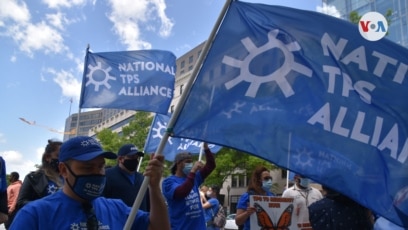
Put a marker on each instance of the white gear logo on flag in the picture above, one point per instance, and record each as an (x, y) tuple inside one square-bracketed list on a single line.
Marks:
[(303, 158), (158, 131), (96, 83), (278, 75)]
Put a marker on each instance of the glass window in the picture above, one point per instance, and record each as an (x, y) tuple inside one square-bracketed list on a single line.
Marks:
[(190, 59), (182, 64), (234, 180), (181, 89), (284, 173), (241, 181)]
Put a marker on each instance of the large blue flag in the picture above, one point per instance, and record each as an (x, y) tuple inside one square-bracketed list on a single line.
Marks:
[(307, 92), (134, 80), (173, 145)]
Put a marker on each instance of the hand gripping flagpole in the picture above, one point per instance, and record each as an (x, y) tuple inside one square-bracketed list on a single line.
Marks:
[(176, 113)]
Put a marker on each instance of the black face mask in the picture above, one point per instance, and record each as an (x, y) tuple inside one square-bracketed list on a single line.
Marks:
[(54, 164), (131, 164)]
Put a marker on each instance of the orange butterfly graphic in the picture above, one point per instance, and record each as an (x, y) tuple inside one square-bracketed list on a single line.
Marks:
[(265, 222)]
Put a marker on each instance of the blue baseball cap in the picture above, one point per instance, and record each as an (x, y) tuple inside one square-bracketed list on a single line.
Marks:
[(129, 149), (82, 148)]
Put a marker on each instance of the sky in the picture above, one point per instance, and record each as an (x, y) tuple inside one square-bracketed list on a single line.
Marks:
[(43, 46)]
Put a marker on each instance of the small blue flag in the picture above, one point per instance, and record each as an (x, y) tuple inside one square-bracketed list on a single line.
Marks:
[(133, 80), (307, 92), (173, 145)]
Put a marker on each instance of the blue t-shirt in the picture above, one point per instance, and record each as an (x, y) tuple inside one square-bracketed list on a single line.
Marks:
[(185, 213), (243, 203), (58, 211), (212, 211)]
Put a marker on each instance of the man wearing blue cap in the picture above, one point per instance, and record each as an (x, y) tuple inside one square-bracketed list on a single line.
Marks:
[(123, 181), (79, 204)]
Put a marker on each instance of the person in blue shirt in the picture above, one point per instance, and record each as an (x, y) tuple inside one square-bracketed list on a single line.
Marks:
[(211, 207), (79, 205), (259, 184), (124, 181), (181, 190)]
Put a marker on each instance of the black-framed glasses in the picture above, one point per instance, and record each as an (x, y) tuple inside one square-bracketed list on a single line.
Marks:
[(91, 221)]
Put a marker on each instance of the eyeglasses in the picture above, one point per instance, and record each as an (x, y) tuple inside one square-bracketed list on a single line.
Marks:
[(267, 178), (91, 221)]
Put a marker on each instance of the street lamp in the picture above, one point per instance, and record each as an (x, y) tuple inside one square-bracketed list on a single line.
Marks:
[(228, 197)]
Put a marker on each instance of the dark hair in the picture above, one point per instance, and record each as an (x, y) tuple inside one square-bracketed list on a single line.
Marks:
[(52, 146), (215, 188), (15, 175), (255, 183)]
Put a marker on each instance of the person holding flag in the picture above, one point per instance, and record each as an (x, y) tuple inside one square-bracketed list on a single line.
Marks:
[(181, 190), (79, 205)]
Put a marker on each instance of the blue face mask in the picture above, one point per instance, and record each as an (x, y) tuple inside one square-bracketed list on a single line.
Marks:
[(304, 182), (267, 185), (88, 187), (187, 168)]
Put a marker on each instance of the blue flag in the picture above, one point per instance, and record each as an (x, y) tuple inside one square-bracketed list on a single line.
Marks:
[(307, 92), (173, 145), (134, 80)]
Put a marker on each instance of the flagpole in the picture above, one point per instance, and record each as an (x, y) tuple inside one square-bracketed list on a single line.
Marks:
[(201, 151), (287, 166), (177, 111), (82, 87)]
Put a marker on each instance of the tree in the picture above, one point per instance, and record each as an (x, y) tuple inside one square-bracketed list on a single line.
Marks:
[(354, 17), (135, 133), (231, 162), (137, 130)]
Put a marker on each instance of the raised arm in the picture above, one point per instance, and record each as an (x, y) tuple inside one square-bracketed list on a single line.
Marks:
[(159, 216)]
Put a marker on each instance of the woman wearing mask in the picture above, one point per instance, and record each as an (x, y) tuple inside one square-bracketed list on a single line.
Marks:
[(46, 180), (260, 184)]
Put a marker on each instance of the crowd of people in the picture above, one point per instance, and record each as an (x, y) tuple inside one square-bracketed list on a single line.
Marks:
[(73, 189)]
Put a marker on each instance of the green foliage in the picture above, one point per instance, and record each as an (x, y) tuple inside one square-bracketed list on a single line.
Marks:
[(134, 133), (229, 161), (354, 17), (137, 130)]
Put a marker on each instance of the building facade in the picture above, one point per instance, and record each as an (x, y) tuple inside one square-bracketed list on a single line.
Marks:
[(87, 120)]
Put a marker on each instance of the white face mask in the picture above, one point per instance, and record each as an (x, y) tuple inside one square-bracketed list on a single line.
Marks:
[(304, 182), (187, 168), (208, 193)]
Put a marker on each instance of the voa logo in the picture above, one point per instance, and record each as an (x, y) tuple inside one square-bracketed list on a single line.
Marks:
[(373, 26)]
